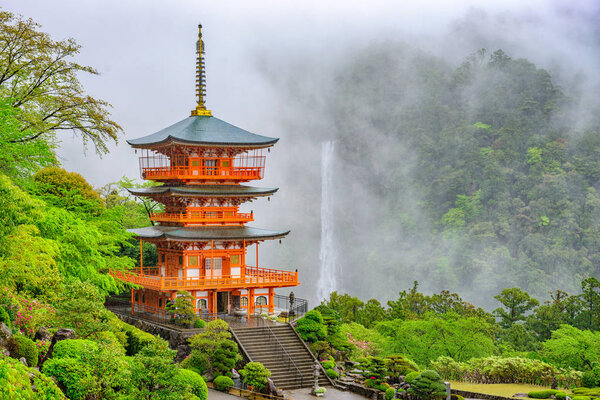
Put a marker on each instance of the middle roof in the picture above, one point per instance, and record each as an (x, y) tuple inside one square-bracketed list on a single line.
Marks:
[(204, 130)]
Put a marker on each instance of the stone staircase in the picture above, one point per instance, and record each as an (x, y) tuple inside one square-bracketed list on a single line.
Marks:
[(276, 347)]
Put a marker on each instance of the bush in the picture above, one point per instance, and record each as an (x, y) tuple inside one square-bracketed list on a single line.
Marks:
[(197, 362), (411, 376), (428, 385), (332, 374), (4, 317), (199, 323), (320, 390), (194, 381), (74, 348), (329, 363), (382, 386), (581, 398), (398, 365), (136, 338), (222, 383), (591, 379), (21, 346), (390, 393), (225, 357), (542, 394), (560, 396), (72, 375), (311, 327), (255, 374), (15, 382)]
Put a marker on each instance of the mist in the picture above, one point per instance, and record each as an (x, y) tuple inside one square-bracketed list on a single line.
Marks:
[(348, 72)]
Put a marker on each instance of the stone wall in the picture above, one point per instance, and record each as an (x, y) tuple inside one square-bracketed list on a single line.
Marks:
[(473, 395)]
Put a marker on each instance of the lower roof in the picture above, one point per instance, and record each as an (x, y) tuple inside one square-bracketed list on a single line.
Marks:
[(207, 233), (205, 190)]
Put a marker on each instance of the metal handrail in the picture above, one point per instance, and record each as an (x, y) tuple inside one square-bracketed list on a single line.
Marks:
[(284, 352)]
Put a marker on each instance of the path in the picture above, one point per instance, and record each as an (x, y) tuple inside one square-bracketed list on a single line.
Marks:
[(297, 394)]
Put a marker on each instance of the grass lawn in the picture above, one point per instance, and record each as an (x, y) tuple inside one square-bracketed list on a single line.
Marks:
[(498, 389)]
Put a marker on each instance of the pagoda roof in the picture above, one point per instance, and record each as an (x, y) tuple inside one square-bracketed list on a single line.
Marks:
[(205, 190), (206, 233), (204, 130)]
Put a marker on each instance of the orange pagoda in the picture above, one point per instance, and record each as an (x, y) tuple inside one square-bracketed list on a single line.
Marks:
[(201, 237)]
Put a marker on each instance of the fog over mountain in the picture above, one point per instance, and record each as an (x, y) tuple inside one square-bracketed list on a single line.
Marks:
[(420, 115)]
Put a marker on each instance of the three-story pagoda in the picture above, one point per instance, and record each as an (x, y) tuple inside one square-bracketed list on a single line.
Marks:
[(201, 237)]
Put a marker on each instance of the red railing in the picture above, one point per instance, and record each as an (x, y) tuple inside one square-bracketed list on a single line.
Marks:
[(243, 167), (204, 217), (250, 277)]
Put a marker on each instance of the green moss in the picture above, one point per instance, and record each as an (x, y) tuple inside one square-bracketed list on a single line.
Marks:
[(21, 346)]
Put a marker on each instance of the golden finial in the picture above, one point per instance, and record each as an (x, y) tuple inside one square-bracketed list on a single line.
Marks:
[(200, 80)]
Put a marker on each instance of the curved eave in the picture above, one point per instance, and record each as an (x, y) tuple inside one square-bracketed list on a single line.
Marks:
[(212, 233), (203, 131), (205, 191)]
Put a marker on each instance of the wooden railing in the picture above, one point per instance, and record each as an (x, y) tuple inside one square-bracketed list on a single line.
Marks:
[(250, 277), (203, 173), (204, 218)]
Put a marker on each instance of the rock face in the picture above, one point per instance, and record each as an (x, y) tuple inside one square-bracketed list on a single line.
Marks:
[(5, 334), (43, 334), (61, 334), (183, 350)]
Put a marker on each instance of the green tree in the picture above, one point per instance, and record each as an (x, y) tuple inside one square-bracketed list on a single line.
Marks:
[(516, 304), (182, 308), (590, 300), (255, 374), (82, 308), (37, 74), (571, 347), (311, 327)]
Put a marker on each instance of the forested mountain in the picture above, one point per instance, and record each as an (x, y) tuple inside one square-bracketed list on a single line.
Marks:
[(470, 178)]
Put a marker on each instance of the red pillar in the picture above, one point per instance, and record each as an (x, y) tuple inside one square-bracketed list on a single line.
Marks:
[(271, 297), (131, 301)]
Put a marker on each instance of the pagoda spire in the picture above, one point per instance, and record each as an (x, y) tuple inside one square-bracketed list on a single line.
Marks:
[(200, 109)]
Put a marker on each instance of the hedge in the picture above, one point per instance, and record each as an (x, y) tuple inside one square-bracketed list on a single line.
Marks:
[(196, 383), (15, 382), (222, 383), (21, 346)]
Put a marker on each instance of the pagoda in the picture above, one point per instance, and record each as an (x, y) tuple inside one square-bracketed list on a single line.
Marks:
[(201, 237)]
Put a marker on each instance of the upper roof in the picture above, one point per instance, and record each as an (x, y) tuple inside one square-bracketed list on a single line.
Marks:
[(204, 130)]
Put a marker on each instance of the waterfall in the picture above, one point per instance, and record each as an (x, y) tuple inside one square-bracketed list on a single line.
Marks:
[(328, 276)]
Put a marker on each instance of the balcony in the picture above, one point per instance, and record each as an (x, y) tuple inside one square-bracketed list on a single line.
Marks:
[(251, 277), (241, 168), (218, 218)]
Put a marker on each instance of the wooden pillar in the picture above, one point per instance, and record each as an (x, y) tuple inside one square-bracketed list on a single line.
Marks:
[(132, 302), (212, 258), (251, 301), (271, 297), (243, 265), (214, 297), (257, 257), (141, 258)]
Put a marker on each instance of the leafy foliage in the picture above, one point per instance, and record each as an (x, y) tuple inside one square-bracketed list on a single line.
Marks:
[(428, 385), (21, 346), (182, 308), (255, 374), (311, 327), (222, 383), (18, 382)]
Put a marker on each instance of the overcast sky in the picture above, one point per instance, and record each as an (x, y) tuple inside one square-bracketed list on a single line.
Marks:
[(144, 51)]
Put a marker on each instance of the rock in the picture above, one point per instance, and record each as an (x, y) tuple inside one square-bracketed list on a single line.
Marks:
[(61, 334), (520, 395), (5, 333), (183, 350), (271, 386), (23, 361), (43, 334)]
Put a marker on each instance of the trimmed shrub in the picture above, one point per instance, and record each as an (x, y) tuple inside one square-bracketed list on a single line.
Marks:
[(72, 375), (197, 362), (195, 382), (587, 391), (74, 348), (456, 397), (21, 346), (398, 365), (382, 386), (222, 383), (560, 395), (311, 327), (199, 323), (581, 398), (255, 374), (332, 374), (542, 394), (225, 357), (15, 382), (4, 317), (411, 376), (329, 363), (390, 393), (428, 385)]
